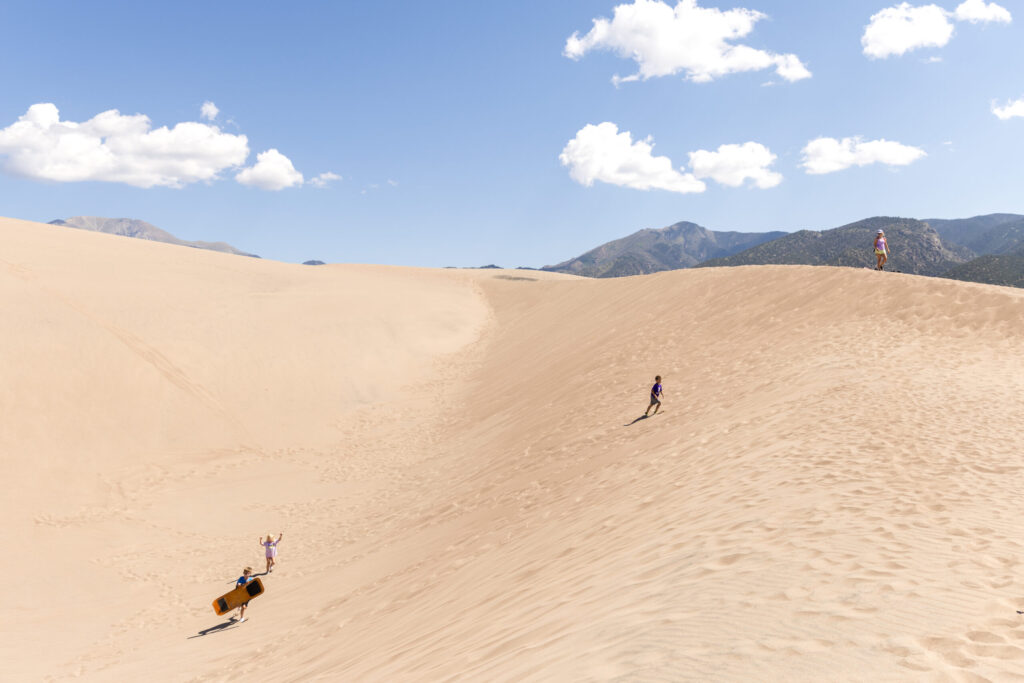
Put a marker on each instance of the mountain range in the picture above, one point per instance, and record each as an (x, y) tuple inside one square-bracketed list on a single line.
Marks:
[(917, 248), (1005, 269), (682, 245), (986, 248), (129, 227)]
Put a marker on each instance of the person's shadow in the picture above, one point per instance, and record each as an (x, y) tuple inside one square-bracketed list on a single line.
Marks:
[(642, 417), (219, 628)]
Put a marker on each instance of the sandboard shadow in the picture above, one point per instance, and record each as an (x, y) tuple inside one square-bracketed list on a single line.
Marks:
[(219, 628)]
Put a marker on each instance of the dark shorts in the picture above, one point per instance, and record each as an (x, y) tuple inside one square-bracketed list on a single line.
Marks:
[(654, 399)]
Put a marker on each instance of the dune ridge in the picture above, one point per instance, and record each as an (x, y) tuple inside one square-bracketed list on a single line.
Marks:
[(827, 494)]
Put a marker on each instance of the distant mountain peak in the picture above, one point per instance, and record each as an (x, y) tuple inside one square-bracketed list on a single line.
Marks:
[(650, 250), (134, 228), (988, 248)]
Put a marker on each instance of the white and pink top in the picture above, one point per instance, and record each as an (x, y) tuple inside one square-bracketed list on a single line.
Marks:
[(271, 547)]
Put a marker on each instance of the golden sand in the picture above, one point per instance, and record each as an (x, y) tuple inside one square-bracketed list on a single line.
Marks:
[(832, 490)]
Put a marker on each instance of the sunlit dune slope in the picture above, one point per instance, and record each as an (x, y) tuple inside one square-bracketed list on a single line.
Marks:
[(133, 368), (829, 492)]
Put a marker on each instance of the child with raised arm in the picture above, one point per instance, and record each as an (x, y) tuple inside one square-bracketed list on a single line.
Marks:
[(656, 396), (271, 545)]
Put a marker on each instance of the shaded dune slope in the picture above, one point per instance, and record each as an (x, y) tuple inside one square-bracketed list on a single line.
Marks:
[(829, 491)]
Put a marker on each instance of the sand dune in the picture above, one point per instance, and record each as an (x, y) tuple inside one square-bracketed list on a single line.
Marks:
[(830, 492)]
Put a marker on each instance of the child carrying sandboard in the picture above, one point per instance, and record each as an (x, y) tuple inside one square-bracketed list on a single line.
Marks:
[(238, 597)]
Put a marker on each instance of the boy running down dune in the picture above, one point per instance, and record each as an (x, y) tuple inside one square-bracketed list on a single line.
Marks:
[(656, 396)]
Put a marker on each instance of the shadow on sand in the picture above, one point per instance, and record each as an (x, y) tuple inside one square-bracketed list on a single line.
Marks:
[(642, 417), (219, 628)]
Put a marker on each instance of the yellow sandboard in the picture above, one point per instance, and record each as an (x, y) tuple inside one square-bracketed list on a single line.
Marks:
[(238, 596)]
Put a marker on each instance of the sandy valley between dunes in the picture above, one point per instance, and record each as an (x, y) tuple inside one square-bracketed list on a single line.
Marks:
[(832, 490)]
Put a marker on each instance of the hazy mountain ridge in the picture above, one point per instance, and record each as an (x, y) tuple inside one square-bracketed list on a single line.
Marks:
[(130, 227), (651, 250), (993, 269), (972, 232), (1002, 239)]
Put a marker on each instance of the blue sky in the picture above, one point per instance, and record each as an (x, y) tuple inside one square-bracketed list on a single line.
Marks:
[(446, 122)]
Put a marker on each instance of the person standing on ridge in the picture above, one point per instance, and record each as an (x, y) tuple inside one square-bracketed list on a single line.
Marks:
[(881, 250), (656, 396)]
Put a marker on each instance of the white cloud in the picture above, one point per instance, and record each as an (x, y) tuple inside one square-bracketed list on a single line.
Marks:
[(732, 164), (112, 147), (272, 171), (602, 153), (904, 27), (1009, 110), (896, 30), (324, 179), (209, 110), (663, 40), (827, 155), (976, 11)]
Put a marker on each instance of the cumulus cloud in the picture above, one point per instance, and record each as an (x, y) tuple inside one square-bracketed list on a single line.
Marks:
[(904, 27), (324, 179), (1009, 110), (602, 153), (688, 38), (827, 155), (733, 164), (209, 110), (112, 147), (272, 171), (896, 30), (976, 11)]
